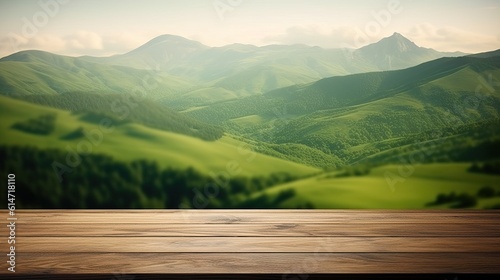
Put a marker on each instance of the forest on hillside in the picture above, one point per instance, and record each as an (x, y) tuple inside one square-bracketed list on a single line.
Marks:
[(128, 108), (100, 182)]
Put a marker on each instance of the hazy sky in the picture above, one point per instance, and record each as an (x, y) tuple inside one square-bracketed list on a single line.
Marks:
[(105, 27)]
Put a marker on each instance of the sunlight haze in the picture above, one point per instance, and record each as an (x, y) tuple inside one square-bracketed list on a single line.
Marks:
[(101, 28)]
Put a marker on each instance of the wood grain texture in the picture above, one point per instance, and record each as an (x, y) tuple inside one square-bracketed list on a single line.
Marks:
[(259, 230), (286, 263), (257, 216), (257, 244), (255, 241)]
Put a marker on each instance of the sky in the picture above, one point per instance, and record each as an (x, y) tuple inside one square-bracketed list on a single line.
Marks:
[(107, 27)]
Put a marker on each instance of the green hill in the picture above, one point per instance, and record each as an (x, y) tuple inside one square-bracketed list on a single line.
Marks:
[(37, 72), (74, 132), (85, 160), (342, 115), (127, 108)]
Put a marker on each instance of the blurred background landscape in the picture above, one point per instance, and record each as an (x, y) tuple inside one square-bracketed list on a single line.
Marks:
[(179, 123)]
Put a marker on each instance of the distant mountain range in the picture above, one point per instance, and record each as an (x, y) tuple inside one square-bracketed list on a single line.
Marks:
[(190, 72)]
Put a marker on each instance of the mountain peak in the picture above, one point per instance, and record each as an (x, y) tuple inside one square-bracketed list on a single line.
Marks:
[(397, 35), (168, 38), (161, 51), (168, 41), (400, 43), (394, 44), (395, 52)]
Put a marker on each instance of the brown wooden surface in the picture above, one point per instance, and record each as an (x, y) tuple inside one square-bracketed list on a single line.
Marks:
[(255, 241)]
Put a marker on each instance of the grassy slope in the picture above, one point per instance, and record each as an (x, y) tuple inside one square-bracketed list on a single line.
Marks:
[(372, 191), (127, 107), (455, 76), (36, 72), (131, 141), (375, 107)]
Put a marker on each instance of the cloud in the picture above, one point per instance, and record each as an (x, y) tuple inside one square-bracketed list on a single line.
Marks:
[(14, 43), (84, 40), (79, 43), (452, 39), (337, 37), (122, 42)]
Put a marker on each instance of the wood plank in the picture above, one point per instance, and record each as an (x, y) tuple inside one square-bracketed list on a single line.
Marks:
[(286, 263), (257, 216), (256, 241), (257, 244), (262, 229)]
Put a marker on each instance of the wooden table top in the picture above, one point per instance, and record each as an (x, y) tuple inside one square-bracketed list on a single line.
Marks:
[(254, 241)]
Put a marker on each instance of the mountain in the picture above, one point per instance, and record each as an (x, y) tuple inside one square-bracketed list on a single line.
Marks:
[(192, 74), (249, 70), (397, 52), (357, 115), (158, 53)]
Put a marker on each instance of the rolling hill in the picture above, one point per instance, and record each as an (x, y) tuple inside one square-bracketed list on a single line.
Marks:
[(130, 141), (340, 115), (124, 108), (38, 72)]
